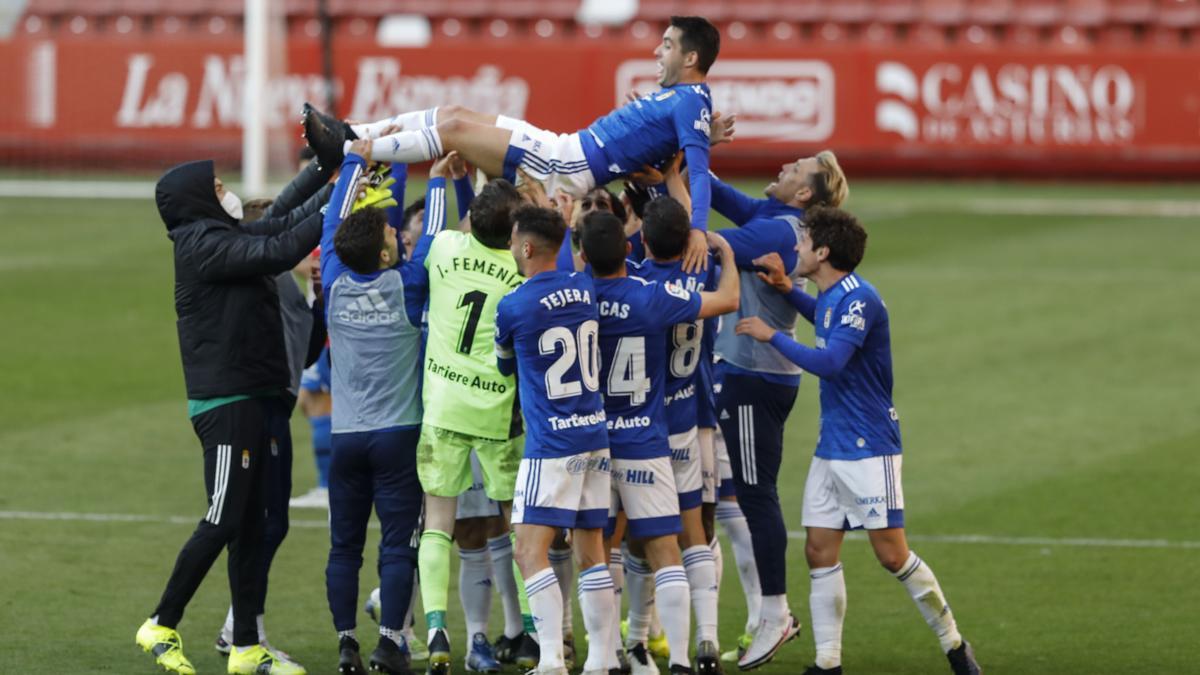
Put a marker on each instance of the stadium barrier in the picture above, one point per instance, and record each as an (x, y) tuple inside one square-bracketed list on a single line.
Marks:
[(1133, 113)]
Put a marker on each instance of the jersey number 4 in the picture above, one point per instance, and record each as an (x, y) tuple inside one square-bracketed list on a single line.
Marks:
[(582, 345)]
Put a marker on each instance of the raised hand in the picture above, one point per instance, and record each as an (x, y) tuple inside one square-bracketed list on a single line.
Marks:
[(721, 128), (774, 276), (755, 328)]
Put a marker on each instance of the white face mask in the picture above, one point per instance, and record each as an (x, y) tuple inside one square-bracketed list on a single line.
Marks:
[(232, 205)]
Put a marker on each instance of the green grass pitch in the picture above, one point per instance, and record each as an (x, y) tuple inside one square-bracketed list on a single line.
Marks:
[(1046, 347)]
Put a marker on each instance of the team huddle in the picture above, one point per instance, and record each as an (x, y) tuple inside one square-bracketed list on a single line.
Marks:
[(598, 371)]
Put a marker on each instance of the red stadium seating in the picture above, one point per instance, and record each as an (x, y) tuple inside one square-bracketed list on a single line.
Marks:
[(982, 24)]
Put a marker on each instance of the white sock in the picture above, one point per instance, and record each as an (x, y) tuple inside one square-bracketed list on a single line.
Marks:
[(227, 629), (510, 123), (475, 589), (408, 147), (616, 570), (260, 623), (596, 602), (564, 569), (775, 608), (702, 580), (718, 559), (640, 591), (409, 121), (502, 576), (730, 516), (672, 591), (348, 633), (545, 602), (827, 604), (923, 588), (394, 634)]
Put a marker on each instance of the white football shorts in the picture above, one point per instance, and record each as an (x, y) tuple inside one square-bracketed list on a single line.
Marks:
[(571, 492), (853, 494)]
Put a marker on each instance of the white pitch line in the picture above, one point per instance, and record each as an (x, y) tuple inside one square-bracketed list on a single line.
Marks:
[(792, 534)]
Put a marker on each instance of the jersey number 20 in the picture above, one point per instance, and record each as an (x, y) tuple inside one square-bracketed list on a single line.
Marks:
[(583, 345)]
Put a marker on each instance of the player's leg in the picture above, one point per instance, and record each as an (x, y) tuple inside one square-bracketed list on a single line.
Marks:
[(653, 511), (564, 569), (827, 594), (481, 145), (444, 468), (350, 497), (475, 569), (397, 492), (698, 562), (279, 488), (752, 417), (733, 523), (219, 430), (501, 554), (597, 600), (879, 505), (422, 119)]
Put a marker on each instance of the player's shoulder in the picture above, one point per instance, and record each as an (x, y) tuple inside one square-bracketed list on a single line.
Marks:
[(858, 295)]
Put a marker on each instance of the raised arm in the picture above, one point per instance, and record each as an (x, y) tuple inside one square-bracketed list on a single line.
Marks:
[(825, 363), (301, 188), (464, 192), (341, 203), (729, 202), (725, 299), (395, 214), (773, 274)]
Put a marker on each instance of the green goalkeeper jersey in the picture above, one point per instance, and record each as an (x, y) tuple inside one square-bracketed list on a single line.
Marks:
[(463, 389)]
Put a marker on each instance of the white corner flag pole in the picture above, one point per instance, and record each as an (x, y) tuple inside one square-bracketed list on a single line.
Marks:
[(254, 113)]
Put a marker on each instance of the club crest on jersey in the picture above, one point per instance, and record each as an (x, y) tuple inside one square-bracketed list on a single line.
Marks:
[(245, 459), (828, 316), (702, 124)]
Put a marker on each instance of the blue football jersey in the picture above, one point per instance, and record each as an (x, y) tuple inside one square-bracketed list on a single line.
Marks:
[(550, 324), (858, 419), (652, 128), (684, 344), (635, 316)]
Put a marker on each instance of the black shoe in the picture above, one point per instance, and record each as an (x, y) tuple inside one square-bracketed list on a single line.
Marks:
[(331, 122), (439, 653), (327, 142), (639, 656), (815, 670), (349, 662), (962, 660), (708, 659), (505, 648), (677, 669), (388, 657), (528, 653)]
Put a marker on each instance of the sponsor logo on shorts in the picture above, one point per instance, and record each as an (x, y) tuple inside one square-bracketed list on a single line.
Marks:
[(681, 454), (638, 477), (580, 464), (864, 501)]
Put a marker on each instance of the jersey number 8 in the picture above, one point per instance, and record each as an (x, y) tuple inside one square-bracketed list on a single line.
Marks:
[(587, 352)]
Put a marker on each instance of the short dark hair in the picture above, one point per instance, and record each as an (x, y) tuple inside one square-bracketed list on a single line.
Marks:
[(603, 240), (665, 227), (359, 239), (618, 209), (841, 232), (411, 210), (699, 36), (491, 213), (253, 209), (545, 225)]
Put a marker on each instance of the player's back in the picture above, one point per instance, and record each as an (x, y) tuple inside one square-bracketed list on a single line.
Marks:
[(653, 127), (858, 418), (374, 352), (550, 324), (463, 391), (683, 343), (635, 315)]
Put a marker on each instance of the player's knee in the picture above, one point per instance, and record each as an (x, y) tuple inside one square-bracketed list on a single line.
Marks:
[(451, 128), (449, 112), (471, 533), (891, 559), (819, 555)]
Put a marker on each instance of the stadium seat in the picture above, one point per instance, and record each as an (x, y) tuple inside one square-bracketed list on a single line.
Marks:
[(977, 36), (1071, 38), (1131, 11), (1179, 13), (943, 12), (990, 12), (1037, 12), (878, 34), (1091, 13), (851, 11), (1116, 36), (643, 31), (803, 11), (1022, 35), (741, 32), (783, 32), (895, 11), (831, 32), (927, 35)]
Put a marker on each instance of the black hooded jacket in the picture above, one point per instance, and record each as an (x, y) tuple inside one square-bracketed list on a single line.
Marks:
[(230, 333)]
